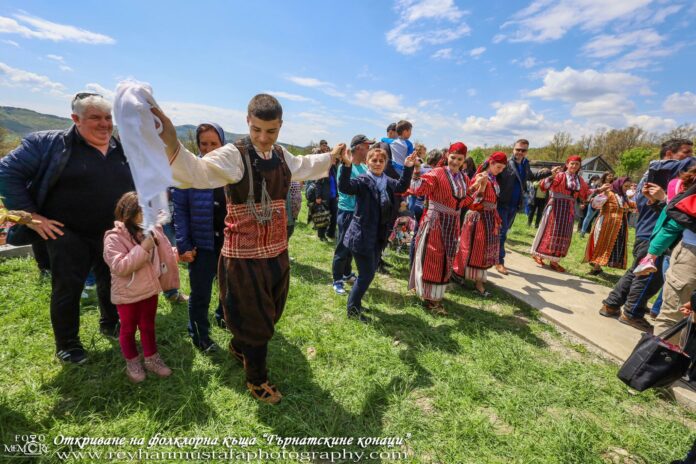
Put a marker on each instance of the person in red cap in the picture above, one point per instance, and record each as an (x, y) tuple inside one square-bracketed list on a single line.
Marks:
[(556, 229), (436, 241), (479, 242)]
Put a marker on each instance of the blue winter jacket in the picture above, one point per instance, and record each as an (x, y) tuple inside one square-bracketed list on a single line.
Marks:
[(29, 171), (367, 231), (193, 214)]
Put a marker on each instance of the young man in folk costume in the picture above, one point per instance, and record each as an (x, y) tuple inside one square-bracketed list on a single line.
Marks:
[(254, 271), (556, 230), (479, 242), (438, 233)]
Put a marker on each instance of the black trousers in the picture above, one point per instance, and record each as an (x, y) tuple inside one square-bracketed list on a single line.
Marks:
[(41, 255), (633, 292), (330, 231), (72, 256), (538, 209)]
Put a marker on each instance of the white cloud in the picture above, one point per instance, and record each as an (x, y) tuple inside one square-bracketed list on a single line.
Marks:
[(61, 62), (443, 54), (646, 44), (232, 120), (680, 103), (526, 63), (477, 52), (511, 117), (651, 123), (11, 42), (37, 28), (573, 85), (289, 96), (471, 92), (97, 88), (327, 87), (545, 20), (608, 106), (13, 77), (379, 99), (420, 23), (65, 67)]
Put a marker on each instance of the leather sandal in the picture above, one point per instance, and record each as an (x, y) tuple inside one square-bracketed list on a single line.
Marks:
[(538, 260), (266, 392)]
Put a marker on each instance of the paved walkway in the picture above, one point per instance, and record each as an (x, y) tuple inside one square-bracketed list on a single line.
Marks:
[(9, 251), (573, 304)]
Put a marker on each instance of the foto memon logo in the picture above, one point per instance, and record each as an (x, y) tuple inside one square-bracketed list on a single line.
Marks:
[(27, 445)]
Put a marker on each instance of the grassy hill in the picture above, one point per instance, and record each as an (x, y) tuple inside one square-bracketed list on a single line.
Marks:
[(21, 121)]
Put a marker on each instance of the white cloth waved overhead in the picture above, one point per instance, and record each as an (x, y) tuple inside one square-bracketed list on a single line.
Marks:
[(144, 150)]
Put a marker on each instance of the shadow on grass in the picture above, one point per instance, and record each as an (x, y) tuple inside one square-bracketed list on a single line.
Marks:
[(101, 389), (308, 409), (15, 423)]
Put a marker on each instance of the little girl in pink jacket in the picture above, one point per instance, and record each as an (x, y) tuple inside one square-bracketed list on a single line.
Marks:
[(141, 267)]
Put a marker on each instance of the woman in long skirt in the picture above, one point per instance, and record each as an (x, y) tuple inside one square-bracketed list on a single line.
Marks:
[(556, 230), (479, 242), (608, 242), (436, 241)]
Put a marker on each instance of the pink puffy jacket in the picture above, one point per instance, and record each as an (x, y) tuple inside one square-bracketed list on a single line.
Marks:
[(135, 273)]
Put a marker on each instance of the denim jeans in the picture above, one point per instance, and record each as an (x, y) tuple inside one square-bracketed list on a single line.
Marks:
[(367, 265), (202, 273), (657, 305), (342, 258), (507, 216), (589, 217)]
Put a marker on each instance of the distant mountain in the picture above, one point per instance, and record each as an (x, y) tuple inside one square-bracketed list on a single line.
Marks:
[(22, 121)]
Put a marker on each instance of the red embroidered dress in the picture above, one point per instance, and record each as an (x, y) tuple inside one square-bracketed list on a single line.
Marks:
[(479, 242), (436, 241), (555, 232)]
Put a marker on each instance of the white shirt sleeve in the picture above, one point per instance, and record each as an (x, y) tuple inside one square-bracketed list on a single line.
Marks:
[(309, 167), (220, 167), (225, 166)]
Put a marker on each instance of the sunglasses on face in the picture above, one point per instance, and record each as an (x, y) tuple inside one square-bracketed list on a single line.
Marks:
[(523, 150)]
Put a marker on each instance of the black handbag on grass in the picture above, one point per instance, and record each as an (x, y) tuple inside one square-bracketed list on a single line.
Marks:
[(656, 362)]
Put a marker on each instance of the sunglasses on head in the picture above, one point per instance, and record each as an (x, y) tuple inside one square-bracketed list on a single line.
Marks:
[(83, 95)]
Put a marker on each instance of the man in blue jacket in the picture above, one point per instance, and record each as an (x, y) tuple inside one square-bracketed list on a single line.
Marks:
[(71, 181), (631, 291), (513, 188)]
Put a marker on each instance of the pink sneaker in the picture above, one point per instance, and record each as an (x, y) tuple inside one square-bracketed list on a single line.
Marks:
[(155, 365), (134, 370), (645, 267)]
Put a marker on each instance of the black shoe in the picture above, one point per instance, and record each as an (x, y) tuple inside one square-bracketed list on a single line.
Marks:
[(381, 269), (74, 356), (323, 239), (111, 331), (355, 313), (207, 346)]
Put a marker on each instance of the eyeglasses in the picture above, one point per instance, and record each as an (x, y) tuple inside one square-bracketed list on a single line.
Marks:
[(82, 96)]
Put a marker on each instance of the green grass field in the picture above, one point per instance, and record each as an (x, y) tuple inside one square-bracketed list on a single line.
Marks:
[(489, 383)]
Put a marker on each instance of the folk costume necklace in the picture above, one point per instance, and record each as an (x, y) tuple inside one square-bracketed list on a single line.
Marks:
[(264, 212), (456, 183)]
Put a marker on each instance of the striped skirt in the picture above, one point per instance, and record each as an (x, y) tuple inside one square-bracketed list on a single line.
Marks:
[(555, 232), (479, 244), (436, 246)]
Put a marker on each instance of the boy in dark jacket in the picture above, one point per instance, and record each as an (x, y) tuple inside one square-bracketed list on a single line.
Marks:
[(375, 202)]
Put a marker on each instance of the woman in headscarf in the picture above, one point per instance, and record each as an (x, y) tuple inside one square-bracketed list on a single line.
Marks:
[(438, 233), (608, 242), (556, 230), (479, 242)]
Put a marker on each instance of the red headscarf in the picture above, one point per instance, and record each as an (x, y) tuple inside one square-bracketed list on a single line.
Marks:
[(497, 157), (574, 158), (457, 147)]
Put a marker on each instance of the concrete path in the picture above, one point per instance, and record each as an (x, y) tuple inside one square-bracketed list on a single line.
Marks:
[(573, 304), (9, 251)]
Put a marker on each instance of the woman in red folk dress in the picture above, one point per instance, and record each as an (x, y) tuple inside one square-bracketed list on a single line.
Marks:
[(436, 242), (479, 242), (556, 230)]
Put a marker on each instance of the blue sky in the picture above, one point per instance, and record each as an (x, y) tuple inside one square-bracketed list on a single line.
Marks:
[(482, 72)]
